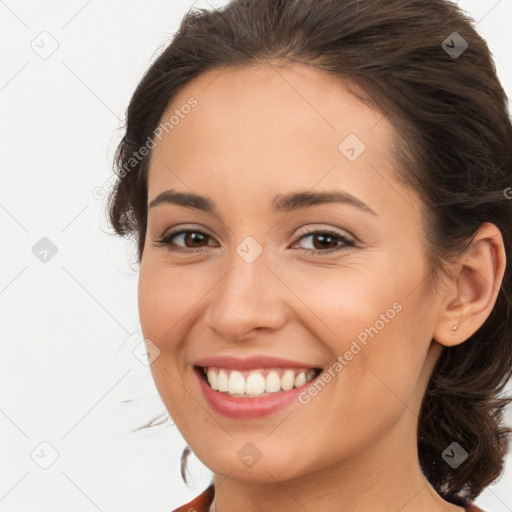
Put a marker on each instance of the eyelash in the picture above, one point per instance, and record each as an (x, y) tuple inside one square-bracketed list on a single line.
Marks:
[(347, 242)]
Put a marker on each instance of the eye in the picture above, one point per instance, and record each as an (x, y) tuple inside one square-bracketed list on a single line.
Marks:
[(197, 238), (326, 238), (193, 236)]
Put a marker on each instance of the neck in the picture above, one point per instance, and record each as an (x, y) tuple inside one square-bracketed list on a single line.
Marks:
[(385, 477)]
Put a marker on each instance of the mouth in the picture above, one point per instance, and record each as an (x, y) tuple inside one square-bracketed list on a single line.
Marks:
[(255, 383)]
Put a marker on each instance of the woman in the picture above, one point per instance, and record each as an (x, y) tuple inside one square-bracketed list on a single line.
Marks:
[(320, 194)]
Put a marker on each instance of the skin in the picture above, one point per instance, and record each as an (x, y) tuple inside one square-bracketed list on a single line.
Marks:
[(272, 129)]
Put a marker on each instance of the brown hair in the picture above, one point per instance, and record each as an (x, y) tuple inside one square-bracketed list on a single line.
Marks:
[(453, 144)]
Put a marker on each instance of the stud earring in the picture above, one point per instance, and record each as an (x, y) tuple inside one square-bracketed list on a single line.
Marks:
[(454, 328)]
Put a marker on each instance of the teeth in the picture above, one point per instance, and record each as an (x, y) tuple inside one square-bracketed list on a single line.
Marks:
[(213, 380), (300, 380), (222, 381), (236, 383), (272, 382), (256, 383), (287, 380)]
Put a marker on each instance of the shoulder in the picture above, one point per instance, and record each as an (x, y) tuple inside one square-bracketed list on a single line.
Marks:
[(201, 503)]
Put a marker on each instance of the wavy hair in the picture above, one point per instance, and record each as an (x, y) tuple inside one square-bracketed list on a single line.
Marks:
[(453, 146)]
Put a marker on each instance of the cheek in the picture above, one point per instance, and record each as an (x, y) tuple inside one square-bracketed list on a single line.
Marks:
[(341, 304), (371, 318), (385, 375), (165, 297)]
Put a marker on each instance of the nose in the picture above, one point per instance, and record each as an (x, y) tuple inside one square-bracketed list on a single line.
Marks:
[(248, 297)]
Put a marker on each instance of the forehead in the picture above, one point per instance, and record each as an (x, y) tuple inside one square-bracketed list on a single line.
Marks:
[(288, 126), (271, 98)]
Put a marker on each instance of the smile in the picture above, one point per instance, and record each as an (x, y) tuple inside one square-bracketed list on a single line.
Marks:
[(285, 386), (258, 382)]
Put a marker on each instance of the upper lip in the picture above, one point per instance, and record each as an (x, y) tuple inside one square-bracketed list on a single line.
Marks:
[(250, 363)]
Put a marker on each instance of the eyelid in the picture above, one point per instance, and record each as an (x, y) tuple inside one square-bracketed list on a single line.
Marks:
[(347, 240), (311, 229), (304, 230), (180, 228)]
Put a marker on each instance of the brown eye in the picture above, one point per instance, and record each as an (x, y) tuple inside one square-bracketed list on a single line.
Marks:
[(191, 238), (326, 239), (193, 241)]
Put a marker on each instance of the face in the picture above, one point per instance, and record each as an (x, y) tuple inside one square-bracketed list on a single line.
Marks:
[(338, 285)]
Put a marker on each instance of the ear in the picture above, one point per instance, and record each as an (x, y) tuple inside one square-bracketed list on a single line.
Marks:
[(473, 288)]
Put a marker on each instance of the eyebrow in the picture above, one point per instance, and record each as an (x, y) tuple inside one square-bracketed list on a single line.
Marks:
[(282, 203)]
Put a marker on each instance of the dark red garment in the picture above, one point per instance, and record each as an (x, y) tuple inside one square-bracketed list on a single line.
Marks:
[(202, 503)]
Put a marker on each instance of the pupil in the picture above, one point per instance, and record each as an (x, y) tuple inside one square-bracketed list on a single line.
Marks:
[(194, 237), (322, 237)]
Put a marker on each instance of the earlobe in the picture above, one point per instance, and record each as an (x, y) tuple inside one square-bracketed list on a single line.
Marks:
[(476, 283)]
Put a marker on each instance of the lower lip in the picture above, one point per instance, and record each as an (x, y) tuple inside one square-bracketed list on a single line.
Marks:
[(236, 407)]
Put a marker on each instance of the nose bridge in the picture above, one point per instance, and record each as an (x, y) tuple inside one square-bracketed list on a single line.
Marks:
[(248, 295)]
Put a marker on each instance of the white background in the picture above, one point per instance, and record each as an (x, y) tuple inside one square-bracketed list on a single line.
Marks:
[(69, 325)]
